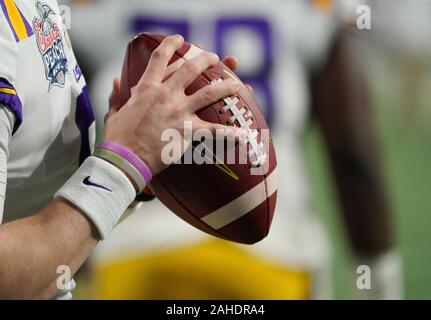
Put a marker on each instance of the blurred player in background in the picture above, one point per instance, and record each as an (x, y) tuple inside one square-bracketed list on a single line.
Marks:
[(302, 66), (408, 45)]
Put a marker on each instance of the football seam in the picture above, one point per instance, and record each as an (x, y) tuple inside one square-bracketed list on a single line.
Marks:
[(129, 69), (265, 175), (218, 117), (265, 179), (267, 206)]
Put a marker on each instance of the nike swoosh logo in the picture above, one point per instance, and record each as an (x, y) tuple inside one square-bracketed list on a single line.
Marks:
[(87, 182)]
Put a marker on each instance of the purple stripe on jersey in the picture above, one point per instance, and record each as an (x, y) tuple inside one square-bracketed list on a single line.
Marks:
[(3, 6), (13, 102), (5, 84), (77, 73), (158, 25), (259, 79), (28, 28), (84, 118)]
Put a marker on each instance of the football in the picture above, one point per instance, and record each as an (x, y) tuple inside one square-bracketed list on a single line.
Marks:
[(225, 200)]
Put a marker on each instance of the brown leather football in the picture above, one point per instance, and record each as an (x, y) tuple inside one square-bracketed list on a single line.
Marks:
[(224, 200)]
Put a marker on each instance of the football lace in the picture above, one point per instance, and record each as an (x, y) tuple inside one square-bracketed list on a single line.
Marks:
[(244, 118)]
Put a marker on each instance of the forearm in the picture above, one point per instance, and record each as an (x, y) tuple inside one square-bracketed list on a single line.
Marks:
[(343, 110), (32, 249), (364, 203)]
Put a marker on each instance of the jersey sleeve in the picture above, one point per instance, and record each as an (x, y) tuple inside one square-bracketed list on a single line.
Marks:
[(8, 48), (7, 120), (8, 67)]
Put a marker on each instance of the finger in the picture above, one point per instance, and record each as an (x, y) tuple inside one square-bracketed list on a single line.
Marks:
[(190, 70), (249, 88), (213, 93), (231, 62), (220, 131), (114, 99), (173, 67), (160, 58)]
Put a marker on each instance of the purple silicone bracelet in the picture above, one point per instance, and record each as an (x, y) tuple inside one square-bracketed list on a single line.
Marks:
[(130, 157)]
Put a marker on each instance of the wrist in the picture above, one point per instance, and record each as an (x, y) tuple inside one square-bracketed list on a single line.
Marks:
[(142, 149), (132, 181), (100, 191), (126, 160)]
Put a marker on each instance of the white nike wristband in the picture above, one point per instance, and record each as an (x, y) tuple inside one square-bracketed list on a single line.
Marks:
[(101, 191)]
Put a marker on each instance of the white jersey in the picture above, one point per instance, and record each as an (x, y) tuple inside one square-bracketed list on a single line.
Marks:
[(41, 83), (277, 43), (411, 36)]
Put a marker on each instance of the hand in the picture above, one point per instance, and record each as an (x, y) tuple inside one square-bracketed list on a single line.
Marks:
[(156, 105), (232, 63), (114, 100)]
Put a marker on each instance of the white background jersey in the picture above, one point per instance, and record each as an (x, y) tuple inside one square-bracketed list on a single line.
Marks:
[(54, 124), (277, 43), (408, 17)]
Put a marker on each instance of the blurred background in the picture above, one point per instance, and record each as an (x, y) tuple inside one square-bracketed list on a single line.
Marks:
[(347, 91)]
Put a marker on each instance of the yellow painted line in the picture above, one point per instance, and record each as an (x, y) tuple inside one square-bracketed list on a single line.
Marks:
[(230, 74), (228, 171), (223, 167)]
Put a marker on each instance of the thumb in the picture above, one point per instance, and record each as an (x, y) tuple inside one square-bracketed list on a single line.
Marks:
[(114, 99)]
